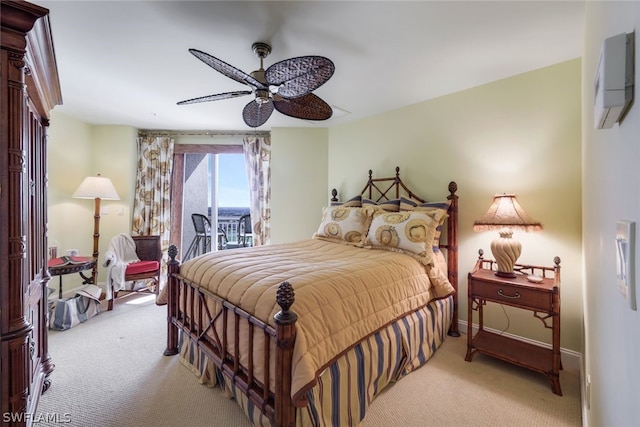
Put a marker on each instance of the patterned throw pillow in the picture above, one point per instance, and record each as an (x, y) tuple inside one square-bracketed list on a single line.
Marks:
[(387, 205), (407, 204), (352, 202), (343, 224), (407, 232)]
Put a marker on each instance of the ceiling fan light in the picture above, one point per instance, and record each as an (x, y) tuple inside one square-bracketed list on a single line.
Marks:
[(262, 96)]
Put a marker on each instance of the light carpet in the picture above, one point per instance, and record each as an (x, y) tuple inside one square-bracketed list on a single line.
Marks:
[(110, 371)]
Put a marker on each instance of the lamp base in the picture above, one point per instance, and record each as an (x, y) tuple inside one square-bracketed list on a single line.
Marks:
[(509, 275), (506, 252)]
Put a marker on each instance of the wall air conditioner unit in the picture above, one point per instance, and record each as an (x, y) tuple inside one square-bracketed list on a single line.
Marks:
[(614, 80)]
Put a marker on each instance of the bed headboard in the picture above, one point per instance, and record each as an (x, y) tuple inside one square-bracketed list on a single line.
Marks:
[(381, 189)]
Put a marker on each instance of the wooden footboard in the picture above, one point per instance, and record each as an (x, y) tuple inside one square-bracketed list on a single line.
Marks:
[(277, 405)]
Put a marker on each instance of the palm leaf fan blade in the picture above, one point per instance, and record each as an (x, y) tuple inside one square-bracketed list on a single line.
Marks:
[(227, 69), (309, 107), (216, 97), (299, 76), (255, 114)]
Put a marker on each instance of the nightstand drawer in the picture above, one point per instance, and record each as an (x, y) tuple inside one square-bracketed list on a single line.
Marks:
[(514, 295)]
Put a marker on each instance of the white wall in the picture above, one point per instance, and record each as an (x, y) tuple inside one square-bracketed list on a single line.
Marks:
[(519, 135), (611, 191)]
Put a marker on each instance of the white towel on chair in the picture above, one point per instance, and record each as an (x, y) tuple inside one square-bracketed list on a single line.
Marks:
[(121, 251)]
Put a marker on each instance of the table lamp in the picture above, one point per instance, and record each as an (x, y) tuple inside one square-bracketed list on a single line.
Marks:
[(505, 214), (96, 188)]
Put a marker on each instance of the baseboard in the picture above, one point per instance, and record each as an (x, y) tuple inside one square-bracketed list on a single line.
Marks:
[(571, 360)]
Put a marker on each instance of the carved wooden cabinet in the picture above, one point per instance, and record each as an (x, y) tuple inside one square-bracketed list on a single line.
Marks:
[(29, 89)]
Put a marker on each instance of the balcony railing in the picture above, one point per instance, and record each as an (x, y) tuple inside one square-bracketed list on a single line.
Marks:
[(227, 235), (229, 225)]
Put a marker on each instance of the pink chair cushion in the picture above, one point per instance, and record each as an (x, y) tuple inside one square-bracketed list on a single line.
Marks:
[(141, 267)]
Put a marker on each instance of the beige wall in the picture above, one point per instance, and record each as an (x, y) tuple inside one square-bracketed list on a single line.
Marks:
[(298, 182), (611, 191), (69, 162), (77, 150), (519, 135)]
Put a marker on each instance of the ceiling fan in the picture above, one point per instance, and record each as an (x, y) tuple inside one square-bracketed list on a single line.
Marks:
[(285, 86)]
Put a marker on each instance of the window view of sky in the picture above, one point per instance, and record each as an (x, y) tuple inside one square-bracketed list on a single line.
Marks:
[(233, 188)]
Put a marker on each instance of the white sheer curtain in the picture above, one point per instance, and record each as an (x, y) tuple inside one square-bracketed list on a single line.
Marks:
[(257, 154)]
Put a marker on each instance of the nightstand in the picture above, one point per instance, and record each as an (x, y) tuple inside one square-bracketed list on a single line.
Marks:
[(542, 297)]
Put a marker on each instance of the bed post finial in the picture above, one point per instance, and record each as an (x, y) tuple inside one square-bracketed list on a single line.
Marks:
[(397, 171), (334, 195), (453, 187), (286, 337), (285, 298), (173, 252)]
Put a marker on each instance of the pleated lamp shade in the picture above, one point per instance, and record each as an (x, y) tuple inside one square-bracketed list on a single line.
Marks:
[(506, 214)]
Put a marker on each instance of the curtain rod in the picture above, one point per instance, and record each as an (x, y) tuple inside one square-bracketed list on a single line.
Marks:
[(210, 133)]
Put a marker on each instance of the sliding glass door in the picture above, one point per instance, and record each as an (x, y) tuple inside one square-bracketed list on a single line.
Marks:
[(211, 181)]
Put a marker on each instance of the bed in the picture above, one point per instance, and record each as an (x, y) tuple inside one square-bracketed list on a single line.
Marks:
[(310, 332)]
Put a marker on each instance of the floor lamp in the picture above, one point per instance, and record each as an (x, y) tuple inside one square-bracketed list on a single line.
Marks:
[(96, 188)]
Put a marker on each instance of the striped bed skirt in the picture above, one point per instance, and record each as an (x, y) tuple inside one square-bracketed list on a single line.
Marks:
[(348, 386)]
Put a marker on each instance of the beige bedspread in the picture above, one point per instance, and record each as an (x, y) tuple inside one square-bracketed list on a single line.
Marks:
[(342, 293)]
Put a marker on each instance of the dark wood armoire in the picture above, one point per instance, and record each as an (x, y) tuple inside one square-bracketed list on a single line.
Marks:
[(29, 89)]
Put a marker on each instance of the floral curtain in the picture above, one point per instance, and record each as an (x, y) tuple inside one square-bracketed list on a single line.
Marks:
[(152, 197), (257, 155)]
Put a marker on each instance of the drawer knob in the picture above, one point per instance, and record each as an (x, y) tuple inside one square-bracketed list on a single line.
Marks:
[(502, 294)]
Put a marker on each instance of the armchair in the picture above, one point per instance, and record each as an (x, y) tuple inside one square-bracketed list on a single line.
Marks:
[(148, 250)]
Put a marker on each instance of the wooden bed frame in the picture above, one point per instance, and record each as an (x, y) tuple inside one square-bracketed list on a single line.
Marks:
[(278, 405)]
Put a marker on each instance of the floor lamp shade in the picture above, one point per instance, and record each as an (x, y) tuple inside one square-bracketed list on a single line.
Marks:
[(505, 214), (96, 188)]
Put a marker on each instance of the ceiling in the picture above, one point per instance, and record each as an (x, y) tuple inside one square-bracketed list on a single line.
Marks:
[(127, 62)]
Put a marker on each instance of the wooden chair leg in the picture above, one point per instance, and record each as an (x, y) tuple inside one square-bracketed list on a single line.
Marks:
[(114, 295)]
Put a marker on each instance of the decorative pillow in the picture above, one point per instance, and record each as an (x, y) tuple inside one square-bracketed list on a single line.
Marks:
[(387, 205), (343, 224), (407, 204), (352, 202), (407, 232)]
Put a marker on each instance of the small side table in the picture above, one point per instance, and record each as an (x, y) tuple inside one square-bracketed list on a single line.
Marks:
[(71, 264), (542, 297)]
